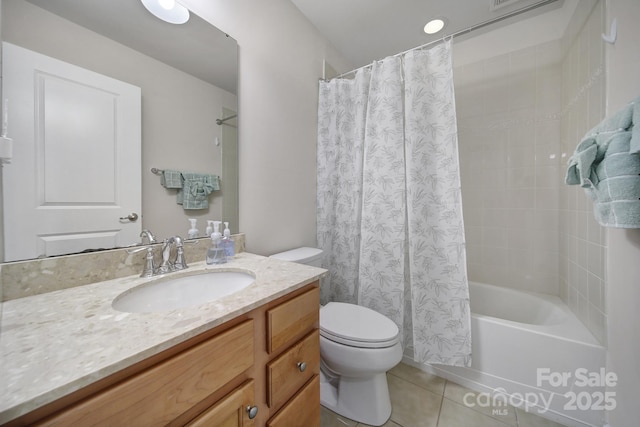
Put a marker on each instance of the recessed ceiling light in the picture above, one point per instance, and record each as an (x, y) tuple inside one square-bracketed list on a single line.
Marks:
[(168, 10), (434, 26)]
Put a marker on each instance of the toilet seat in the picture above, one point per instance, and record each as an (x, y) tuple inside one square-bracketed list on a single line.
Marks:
[(357, 326)]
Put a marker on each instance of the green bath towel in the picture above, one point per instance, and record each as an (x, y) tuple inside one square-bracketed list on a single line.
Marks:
[(618, 164), (606, 163)]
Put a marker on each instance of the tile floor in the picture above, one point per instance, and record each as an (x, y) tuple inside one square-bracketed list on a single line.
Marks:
[(420, 399)]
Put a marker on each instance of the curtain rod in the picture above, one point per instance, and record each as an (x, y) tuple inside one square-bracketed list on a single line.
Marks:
[(461, 32)]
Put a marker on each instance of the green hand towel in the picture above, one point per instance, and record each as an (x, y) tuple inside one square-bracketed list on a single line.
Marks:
[(171, 179), (196, 190)]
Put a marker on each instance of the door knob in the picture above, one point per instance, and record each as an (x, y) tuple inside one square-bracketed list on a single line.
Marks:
[(133, 217)]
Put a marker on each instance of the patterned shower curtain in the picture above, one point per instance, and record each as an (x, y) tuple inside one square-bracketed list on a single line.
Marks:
[(389, 206)]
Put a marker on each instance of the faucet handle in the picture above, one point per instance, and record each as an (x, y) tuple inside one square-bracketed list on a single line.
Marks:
[(180, 263), (166, 266), (137, 249), (149, 264)]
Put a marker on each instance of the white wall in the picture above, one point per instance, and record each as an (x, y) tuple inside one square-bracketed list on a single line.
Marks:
[(623, 266), (280, 56)]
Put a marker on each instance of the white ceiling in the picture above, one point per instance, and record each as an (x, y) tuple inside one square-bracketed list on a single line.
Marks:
[(211, 55), (367, 30)]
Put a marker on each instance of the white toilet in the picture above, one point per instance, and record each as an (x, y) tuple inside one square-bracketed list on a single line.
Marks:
[(357, 347)]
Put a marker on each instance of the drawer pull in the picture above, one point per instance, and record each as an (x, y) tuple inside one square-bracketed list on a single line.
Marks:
[(301, 366), (252, 411)]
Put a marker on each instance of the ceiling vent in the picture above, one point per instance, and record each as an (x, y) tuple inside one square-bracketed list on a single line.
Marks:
[(499, 4)]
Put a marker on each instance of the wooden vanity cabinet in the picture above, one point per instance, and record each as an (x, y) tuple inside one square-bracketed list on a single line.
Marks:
[(293, 342), (266, 361)]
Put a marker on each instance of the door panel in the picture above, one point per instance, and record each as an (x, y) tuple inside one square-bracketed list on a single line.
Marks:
[(76, 168)]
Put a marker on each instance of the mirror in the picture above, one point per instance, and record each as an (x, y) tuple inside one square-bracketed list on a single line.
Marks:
[(188, 79)]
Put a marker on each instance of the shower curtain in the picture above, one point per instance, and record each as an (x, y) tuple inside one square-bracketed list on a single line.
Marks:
[(389, 215)]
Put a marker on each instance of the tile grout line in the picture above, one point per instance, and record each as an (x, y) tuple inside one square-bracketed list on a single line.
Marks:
[(444, 388)]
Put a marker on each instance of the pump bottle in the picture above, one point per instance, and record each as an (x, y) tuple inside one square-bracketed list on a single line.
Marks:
[(216, 254), (209, 228), (193, 231), (227, 243)]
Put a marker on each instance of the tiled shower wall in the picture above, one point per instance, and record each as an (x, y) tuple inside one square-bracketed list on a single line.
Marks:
[(583, 246), (520, 116), (509, 137)]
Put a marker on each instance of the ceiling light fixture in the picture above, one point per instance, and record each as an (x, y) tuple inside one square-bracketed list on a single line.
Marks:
[(168, 10), (434, 26)]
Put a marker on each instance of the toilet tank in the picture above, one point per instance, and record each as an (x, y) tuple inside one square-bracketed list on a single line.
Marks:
[(308, 256)]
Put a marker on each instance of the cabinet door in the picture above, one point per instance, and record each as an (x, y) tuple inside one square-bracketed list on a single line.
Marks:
[(231, 411), (302, 410)]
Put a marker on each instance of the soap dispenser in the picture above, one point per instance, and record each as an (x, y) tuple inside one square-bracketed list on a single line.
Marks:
[(227, 243), (193, 231), (216, 254), (209, 228)]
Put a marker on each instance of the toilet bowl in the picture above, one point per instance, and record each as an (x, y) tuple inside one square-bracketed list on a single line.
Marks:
[(357, 348)]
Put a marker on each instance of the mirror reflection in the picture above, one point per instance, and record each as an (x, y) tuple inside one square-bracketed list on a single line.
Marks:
[(187, 79)]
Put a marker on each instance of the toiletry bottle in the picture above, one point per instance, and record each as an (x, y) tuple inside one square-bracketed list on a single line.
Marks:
[(216, 254), (193, 231), (209, 228), (227, 243)]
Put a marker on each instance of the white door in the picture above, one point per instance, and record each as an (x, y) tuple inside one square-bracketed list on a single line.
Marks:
[(76, 167)]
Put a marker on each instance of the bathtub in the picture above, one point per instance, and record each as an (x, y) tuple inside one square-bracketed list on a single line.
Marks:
[(530, 351)]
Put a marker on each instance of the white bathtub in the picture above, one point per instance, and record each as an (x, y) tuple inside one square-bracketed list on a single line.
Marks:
[(514, 334)]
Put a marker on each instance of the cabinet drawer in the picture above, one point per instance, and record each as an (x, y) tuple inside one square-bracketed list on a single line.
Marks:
[(230, 411), (163, 392), (292, 319), (285, 377), (302, 410)]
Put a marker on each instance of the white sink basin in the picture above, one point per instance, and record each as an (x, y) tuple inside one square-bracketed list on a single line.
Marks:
[(186, 291)]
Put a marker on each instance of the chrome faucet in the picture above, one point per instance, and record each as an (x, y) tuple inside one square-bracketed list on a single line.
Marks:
[(166, 266), (179, 263), (146, 233)]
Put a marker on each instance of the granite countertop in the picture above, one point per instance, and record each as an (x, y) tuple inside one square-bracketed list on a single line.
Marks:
[(55, 343)]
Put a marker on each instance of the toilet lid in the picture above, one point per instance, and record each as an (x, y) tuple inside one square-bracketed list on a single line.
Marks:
[(357, 326)]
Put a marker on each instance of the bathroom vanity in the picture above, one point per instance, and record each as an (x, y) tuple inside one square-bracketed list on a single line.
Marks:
[(249, 359)]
